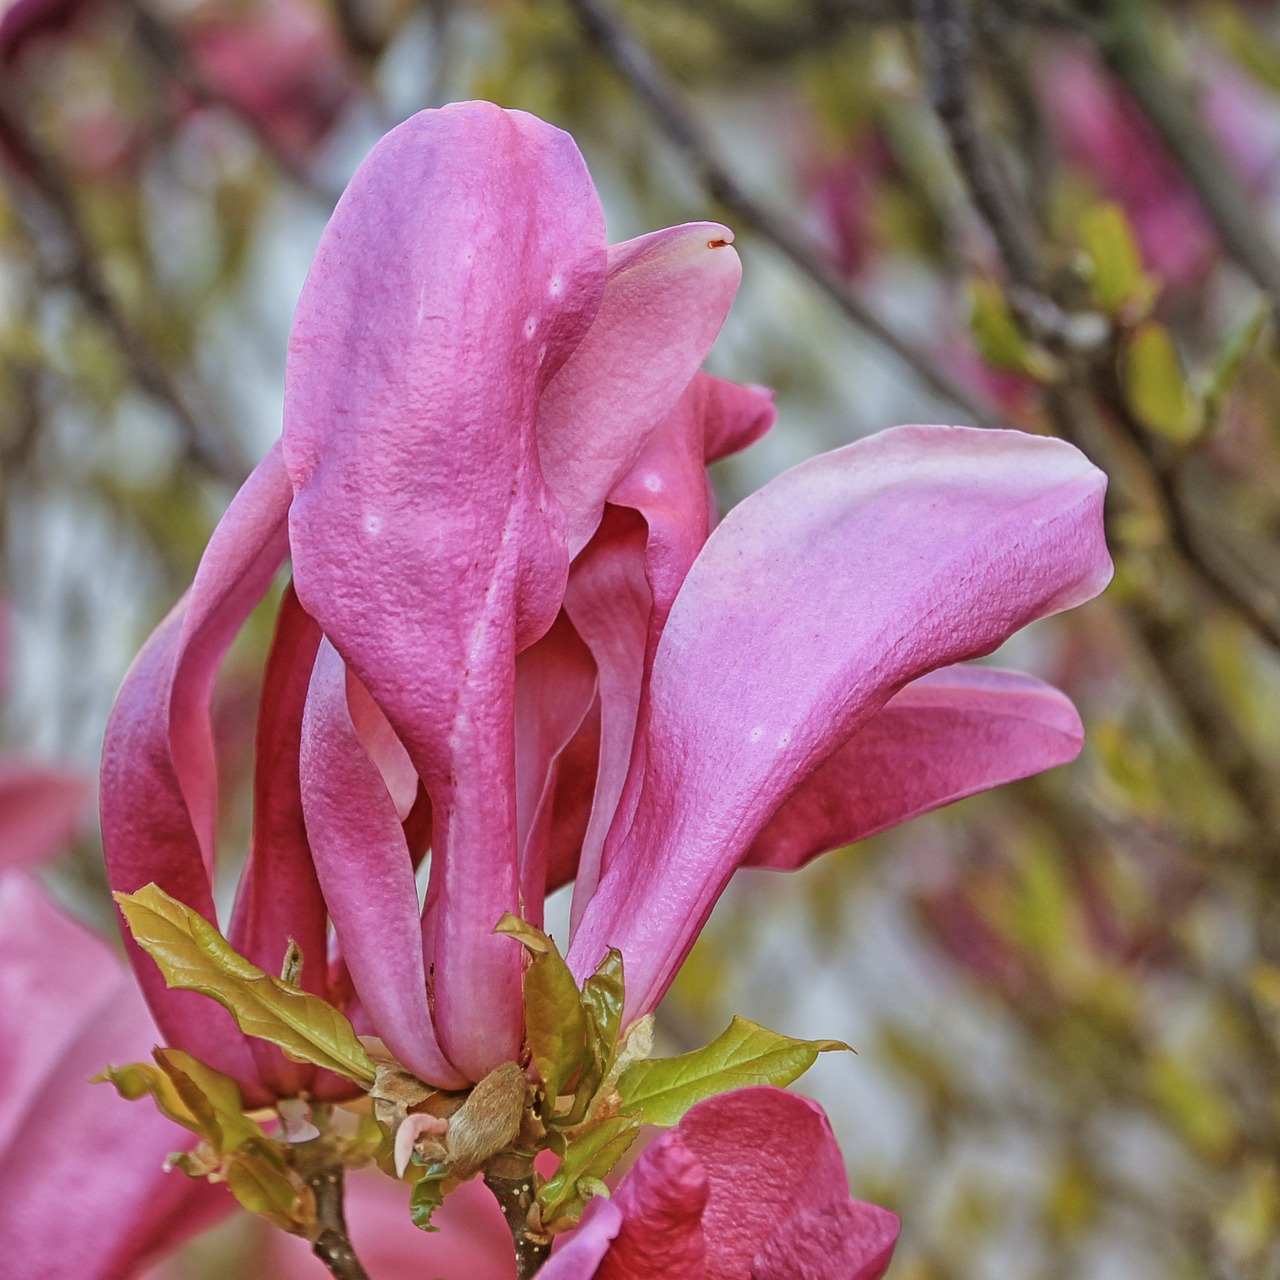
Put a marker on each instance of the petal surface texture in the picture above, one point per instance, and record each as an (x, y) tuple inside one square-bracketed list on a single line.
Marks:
[(814, 602), (461, 268), (948, 735)]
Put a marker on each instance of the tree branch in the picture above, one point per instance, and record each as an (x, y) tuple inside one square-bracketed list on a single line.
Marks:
[(677, 122), (33, 168), (332, 1245), (515, 1195)]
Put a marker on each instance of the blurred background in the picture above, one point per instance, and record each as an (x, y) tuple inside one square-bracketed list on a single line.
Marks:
[(1059, 216)]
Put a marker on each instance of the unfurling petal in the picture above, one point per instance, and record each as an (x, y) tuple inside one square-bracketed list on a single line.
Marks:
[(813, 603), (363, 862), (159, 784), (665, 300), (461, 268), (948, 735)]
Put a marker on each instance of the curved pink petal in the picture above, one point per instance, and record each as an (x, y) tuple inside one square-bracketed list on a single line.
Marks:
[(578, 1255), (572, 803), (665, 299), (622, 586), (662, 1200), (555, 689), (809, 607), (462, 266), (41, 809), (279, 898), (364, 867), (844, 1240), (67, 1010), (158, 791), (948, 735)]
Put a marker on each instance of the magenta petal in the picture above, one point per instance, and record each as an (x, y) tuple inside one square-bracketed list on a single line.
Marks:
[(665, 300), (363, 863), (279, 900), (578, 1256), (68, 1010), (555, 688), (462, 266), (844, 1240), (948, 735), (41, 809), (158, 791), (813, 603), (661, 1200)]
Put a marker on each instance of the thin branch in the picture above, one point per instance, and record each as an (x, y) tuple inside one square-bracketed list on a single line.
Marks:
[(515, 1195), (332, 1244), (675, 119), (32, 168)]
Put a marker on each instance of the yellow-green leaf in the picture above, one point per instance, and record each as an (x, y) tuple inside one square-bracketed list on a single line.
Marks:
[(260, 1181), (200, 1087), (1116, 273), (555, 1024), (587, 1160), (663, 1089), (193, 955), (1156, 388), (996, 333), (140, 1079)]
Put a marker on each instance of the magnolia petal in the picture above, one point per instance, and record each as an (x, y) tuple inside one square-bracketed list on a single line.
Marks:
[(158, 790), (623, 585), (41, 809), (844, 1240), (948, 735), (363, 864), (571, 805), (665, 299), (578, 1256), (610, 603), (463, 265), (661, 1200), (67, 1009), (279, 899), (555, 689), (809, 607)]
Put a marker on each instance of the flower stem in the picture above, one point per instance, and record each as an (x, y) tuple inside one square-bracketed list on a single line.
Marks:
[(515, 1196), (331, 1243)]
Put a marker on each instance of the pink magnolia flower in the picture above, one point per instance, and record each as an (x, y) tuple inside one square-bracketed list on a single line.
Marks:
[(510, 636)]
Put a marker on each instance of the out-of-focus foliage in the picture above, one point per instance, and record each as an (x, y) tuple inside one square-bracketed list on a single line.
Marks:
[(1065, 995)]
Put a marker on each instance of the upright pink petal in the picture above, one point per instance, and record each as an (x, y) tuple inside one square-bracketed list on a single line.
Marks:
[(159, 783), (810, 606), (279, 898), (665, 299), (555, 689), (363, 862), (945, 736), (41, 808), (462, 266)]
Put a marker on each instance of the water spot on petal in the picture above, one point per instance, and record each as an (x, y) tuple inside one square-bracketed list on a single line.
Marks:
[(756, 734), (555, 286), (373, 524), (653, 482), (531, 326)]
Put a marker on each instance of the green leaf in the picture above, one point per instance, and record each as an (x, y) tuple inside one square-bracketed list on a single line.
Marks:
[(1157, 391), (428, 1196), (587, 1160), (259, 1179), (1116, 273), (996, 333), (663, 1089), (602, 999), (555, 1024), (193, 955)]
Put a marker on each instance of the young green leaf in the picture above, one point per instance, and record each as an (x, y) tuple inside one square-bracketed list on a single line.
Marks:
[(555, 1024), (1116, 273), (259, 1179), (999, 341), (663, 1089), (1155, 385), (428, 1196), (587, 1160), (602, 999), (193, 955)]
